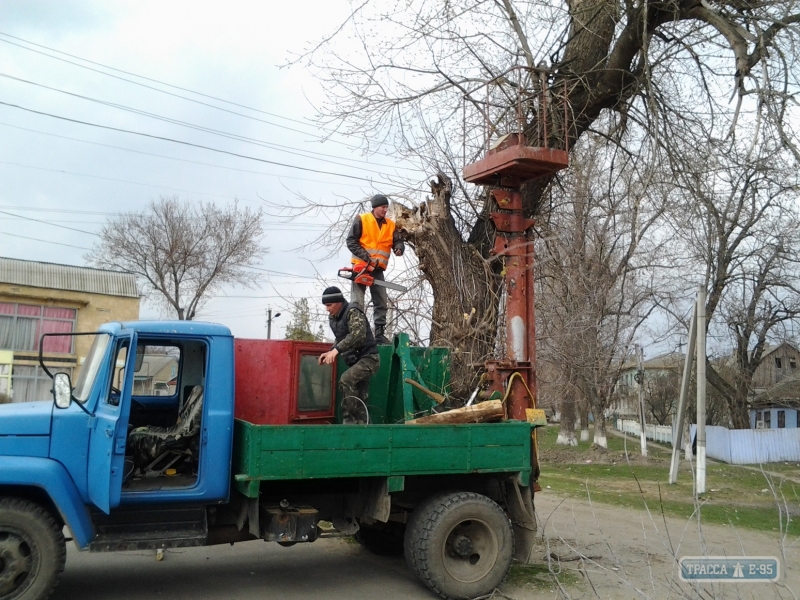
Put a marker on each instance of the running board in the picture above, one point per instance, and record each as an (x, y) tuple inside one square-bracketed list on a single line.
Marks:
[(150, 528)]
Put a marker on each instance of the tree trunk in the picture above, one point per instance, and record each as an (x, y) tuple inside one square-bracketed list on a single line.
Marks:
[(465, 290), (600, 430), (566, 433), (584, 414)]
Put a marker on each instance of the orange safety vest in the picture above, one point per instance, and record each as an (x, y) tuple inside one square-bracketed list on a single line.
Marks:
[(375, 240)]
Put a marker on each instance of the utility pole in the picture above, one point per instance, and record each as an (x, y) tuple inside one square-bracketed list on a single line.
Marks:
[(270, 317), (678, 426), (640, 380), (701, 391)]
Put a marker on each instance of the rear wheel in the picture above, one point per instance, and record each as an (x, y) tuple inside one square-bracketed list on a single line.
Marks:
[(460, 544), (32, 551)]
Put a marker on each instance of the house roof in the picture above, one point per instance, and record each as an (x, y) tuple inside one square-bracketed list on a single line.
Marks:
[(784, 393), (67, 277), (667, 361)]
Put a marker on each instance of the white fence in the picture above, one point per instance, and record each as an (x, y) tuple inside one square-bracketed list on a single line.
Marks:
[(657, 433), (752, 446), (733, 446)]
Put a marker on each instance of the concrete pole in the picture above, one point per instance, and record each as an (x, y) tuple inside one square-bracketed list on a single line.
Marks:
[(642, 420), (701, 391), (677, 427)]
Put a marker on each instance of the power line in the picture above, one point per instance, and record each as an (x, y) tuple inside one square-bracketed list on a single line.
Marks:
[(194, 162), (24, 237), (184, 143), (287, 149), (349, 146), (47, 223), (267, 226), (64, 172)]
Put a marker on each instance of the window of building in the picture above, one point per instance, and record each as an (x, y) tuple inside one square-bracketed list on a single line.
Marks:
[(777, 362), (767, 419), (30, 382), (793, 363), (21, 326), (781, 419)]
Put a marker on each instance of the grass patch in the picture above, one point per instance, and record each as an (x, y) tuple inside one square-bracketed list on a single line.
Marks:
[(539, 576), (736, 496)]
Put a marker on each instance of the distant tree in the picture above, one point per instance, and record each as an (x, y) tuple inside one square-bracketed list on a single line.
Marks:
[(736, 215), (300, 327), (183, 250), (661, 392)]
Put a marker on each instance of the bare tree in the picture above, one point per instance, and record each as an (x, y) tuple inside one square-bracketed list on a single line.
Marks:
[(638, 73), (596, 259), (183, 251), (739, 219), (661, 392)]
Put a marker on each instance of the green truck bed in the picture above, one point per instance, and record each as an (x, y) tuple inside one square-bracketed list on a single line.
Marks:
[(284, 452)]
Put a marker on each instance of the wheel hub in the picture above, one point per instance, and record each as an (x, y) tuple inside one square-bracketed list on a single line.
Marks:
[(16, 562), (471, 550), (462, 545)]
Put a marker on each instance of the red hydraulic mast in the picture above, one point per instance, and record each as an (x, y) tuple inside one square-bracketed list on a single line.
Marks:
[(507, 165)]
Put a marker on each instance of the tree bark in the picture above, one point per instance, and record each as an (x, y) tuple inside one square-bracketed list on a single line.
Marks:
[(466, 291)]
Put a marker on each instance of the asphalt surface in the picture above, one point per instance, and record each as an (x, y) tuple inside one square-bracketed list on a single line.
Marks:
[(327, 568)]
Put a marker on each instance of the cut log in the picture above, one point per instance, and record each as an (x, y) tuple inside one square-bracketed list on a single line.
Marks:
[(485, 412)]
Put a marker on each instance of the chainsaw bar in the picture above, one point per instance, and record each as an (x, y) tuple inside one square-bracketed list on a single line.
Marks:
[(390, 285), (364, 278)]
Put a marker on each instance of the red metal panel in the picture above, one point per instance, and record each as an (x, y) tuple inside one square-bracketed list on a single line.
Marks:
[(515, 164), (266, 375)]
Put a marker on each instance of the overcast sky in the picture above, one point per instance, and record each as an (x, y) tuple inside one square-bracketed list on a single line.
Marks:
[(60, 180)]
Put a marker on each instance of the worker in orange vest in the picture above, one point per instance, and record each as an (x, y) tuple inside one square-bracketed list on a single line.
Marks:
[(371, 239)]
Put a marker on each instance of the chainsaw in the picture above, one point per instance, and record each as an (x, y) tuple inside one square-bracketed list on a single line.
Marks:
[(360, 273)]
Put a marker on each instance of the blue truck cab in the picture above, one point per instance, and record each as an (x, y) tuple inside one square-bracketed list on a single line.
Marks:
[(70, 463)]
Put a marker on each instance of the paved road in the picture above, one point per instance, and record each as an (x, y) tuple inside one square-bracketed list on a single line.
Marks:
[(328, 568)]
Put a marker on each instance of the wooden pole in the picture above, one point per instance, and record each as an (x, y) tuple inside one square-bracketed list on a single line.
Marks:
[(701, 391), (677, 427)]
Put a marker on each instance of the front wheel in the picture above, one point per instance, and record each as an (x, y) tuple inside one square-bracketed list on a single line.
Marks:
[(460, 544), (32, 551)]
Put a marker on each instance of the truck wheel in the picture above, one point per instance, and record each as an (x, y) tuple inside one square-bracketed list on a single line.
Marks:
[(383, 541), (462, 545), (32, 551)]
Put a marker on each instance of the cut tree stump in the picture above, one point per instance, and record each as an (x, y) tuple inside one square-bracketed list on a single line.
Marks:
[(485, 412)]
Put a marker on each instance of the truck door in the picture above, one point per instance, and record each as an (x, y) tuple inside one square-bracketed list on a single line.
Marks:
[(110, 427)]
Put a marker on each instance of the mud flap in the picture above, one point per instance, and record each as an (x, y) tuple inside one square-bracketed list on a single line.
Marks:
[(519, 500)]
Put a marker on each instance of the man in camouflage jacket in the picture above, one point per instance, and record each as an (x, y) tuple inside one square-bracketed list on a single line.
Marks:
[(354, 341)]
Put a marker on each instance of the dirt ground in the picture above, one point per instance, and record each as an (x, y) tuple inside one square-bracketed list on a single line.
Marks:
[(603, 551)]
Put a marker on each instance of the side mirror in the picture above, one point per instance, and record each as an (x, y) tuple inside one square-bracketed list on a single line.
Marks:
[(62, 390)]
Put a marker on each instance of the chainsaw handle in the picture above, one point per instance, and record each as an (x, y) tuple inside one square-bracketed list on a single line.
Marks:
[(356, 275)]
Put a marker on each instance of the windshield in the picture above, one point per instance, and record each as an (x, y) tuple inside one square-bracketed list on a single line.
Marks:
[(90, 367)]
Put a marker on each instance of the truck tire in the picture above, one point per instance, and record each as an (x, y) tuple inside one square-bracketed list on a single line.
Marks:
[(32, 551), (412, 536), (461, 545), (384, 541)]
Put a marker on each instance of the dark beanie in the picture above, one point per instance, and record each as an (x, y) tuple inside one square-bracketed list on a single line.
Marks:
[(332, 295), (379, 200)]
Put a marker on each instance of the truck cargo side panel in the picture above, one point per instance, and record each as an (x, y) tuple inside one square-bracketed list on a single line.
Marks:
[(264, 453)]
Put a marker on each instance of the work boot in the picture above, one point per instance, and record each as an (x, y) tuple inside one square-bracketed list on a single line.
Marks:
[(380, 338)]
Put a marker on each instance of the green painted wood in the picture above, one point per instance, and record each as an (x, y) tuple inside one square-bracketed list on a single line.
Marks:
[(266, 452)]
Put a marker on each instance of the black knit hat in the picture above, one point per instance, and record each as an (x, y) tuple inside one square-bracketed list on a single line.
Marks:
[(332, 295), (379, 200)]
